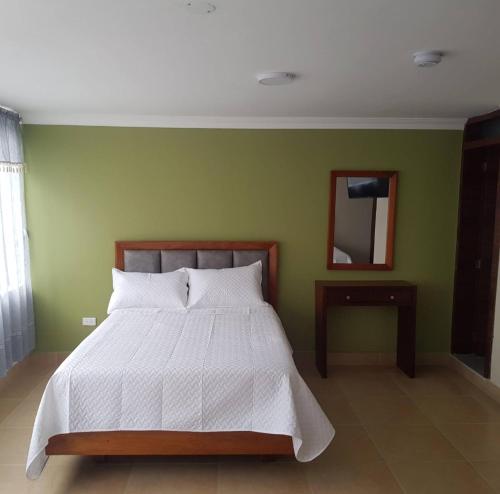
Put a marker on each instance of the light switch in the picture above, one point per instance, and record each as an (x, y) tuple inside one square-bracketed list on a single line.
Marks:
[(89, 321)]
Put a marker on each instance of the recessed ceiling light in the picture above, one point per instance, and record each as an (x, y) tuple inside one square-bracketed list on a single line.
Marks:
[(199, 7), (276, 78), (427, 58)]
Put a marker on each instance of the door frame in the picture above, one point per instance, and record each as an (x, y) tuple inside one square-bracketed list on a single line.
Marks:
[(490, 319), (490, 326)]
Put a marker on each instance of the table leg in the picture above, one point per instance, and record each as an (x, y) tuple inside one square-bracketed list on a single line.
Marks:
[(406, 339), (321, 338)]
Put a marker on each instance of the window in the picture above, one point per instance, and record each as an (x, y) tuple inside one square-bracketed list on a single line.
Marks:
[(17, 337)]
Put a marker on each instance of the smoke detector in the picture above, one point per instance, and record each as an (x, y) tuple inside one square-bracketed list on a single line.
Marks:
[(427, 58), (199, 7), (276, 78)]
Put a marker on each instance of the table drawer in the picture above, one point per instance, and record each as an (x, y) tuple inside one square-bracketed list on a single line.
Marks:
[(365, 295)]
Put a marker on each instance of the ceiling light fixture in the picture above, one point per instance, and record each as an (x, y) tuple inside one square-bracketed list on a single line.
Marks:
[(427, 58), (199, 7), (276, 78)]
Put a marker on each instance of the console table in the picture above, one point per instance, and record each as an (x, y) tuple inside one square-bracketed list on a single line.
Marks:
[(400, 294)]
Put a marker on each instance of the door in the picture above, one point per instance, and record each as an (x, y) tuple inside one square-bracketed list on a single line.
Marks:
[(477, 256)]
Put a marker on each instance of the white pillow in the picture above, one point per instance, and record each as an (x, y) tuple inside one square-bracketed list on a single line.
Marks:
[(230, 287), (148, 290)]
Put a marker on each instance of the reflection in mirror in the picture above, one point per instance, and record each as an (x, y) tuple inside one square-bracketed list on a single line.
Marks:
[(360, 229), (361, 220)]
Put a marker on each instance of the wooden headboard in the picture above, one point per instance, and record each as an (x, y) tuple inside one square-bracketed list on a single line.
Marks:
[(168, 255)]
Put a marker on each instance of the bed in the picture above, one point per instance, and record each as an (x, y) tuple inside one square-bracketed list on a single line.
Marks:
[(209, 381), (341, 257)]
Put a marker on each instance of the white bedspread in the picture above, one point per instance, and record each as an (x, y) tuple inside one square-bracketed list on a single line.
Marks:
[(185, 370)]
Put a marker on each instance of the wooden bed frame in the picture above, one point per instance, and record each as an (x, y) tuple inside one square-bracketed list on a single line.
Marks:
[(170, 443)]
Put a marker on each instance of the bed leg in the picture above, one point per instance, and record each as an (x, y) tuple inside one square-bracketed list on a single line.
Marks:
[(268, 458), (101, 459)]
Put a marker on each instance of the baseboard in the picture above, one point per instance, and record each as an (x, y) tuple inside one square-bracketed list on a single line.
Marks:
[(485, 385), (383, 358)]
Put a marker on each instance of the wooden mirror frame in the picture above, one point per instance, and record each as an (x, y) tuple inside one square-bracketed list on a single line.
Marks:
[(391, 218)]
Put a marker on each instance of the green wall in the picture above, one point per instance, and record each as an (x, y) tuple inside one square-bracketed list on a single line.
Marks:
[(89, 186)]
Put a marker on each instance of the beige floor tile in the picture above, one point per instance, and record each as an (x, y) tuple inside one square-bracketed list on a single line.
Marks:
[(435, 381), (308, 371), (364, 478), (337, 408), (456, 408), (487, 402), (330, 396), (477, 442), (13, 480), (61, 357), (22, 416), (305, 362), (323, 387), (264, 478), (14, 445), (175, 478), (37, 363), (364, 381), (7, 405), (82, 476), (37, 392), (351, 445), (18, 386), (402, 442), (382, 399), (489, 470), (52, 481), (387, 409), (442, 477)]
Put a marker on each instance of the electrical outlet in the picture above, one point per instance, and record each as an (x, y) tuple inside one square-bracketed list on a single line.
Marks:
[(89, 321)]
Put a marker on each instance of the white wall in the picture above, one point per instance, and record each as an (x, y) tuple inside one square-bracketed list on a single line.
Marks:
[(495, 354)]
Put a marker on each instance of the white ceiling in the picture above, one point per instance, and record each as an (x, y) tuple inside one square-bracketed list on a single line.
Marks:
[(151, 62)]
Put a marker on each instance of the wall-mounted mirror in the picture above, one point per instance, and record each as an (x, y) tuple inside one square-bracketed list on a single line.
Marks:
[(361, 220)]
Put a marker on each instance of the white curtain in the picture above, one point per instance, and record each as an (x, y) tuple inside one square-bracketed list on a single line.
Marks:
[(17, 328)]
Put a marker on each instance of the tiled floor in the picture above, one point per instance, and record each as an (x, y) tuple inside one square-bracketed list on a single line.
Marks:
[(434, 434)]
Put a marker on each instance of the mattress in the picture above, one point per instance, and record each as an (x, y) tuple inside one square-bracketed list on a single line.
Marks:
[(182, 370)]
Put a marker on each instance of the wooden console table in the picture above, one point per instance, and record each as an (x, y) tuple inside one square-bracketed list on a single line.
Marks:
[(400, 294)]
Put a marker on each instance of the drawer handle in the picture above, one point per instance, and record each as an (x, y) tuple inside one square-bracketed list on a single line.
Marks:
[(392, 297), (348, 297)]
